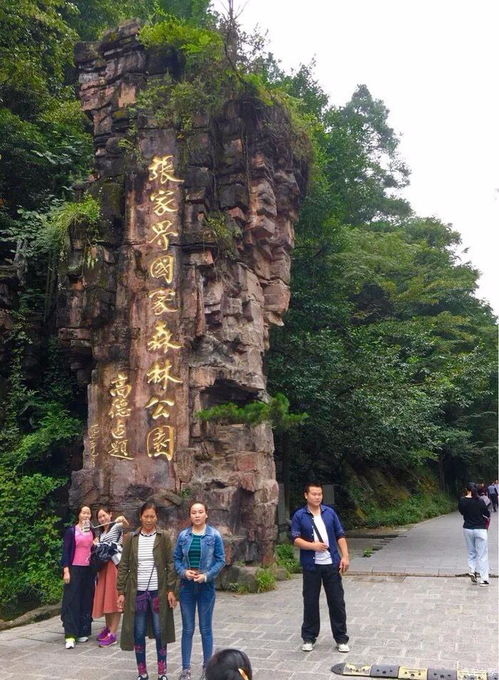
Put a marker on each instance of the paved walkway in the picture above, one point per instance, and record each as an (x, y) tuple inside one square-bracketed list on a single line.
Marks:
[(431, 548), (417, 622)]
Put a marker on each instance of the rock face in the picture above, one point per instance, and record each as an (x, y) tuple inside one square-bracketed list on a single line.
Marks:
[(166, 310)]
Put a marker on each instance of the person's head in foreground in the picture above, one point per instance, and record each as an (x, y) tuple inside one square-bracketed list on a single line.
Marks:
[(229, 664)]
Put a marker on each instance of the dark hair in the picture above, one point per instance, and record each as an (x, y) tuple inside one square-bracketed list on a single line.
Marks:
[(105, 507), (471, 486), (80, 508), (198, 503), (148, 505), (309, 484), (225, 665)]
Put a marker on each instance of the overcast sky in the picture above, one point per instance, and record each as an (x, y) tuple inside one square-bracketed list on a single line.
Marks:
[(434, 63)]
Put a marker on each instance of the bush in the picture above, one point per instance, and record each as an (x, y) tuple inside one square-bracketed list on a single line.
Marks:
[(31, 544), (285, 557), (265, 580), (415, 509)]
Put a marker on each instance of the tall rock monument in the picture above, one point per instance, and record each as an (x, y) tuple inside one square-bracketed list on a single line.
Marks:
[(165, 307)]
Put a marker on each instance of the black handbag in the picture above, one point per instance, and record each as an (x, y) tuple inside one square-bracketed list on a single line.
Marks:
[(101, 553)]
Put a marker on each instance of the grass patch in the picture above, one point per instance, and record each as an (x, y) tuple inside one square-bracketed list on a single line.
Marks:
[(265, 580), (414, 509)]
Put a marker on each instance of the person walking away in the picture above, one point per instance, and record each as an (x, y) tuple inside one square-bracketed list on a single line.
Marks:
[(483, 496), (199, 557), (316, 529), (475, 515), (146, 591), (106, 595), (492, 490), (79, 580), (229, 664)]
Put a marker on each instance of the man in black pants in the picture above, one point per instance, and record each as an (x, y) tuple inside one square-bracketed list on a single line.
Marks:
[(317, 531)]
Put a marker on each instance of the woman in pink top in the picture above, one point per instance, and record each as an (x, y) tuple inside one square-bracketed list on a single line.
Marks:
[(79, 580)]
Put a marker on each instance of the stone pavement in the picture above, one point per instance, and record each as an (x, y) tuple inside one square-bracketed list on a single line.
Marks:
[(431, 548), (413, 621)]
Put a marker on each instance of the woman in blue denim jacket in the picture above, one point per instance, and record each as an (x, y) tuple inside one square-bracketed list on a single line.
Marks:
[(199, 557)]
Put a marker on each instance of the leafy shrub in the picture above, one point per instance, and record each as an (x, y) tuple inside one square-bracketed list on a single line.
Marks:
[(276, 411), (265, 580), (415, 509), (285, 557), (200, 46), (31, 544)]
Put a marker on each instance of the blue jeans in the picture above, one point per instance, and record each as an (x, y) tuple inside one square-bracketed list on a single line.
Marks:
[(476, 545), (149, 608), (202, 595)]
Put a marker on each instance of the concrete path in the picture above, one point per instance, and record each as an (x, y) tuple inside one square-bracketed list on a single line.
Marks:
[(413, 621), (431, 548)]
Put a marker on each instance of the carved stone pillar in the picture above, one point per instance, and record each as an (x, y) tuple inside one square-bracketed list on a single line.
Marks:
[(166, 309)]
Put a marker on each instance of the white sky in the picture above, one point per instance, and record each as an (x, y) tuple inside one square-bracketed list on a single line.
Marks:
[(434, 63)]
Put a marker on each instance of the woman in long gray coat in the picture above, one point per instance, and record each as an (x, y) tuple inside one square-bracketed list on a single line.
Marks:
[(146, 591)]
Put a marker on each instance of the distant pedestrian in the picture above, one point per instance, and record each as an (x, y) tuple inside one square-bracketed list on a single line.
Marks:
[(316, 529), (492, 490), (481, 488), (475, 515), (229, 664), (106, 595), (483, 496), (146, 591), (199, 557), (78, 575)]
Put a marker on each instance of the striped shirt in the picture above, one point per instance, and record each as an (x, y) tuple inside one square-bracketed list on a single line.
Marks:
[(195, 551), (147, 574), (114, 535)]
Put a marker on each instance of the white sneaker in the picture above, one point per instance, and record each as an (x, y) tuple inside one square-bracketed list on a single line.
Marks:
[(307, 646), (342, 647), (70, 643), (83, 638), (483, 583)]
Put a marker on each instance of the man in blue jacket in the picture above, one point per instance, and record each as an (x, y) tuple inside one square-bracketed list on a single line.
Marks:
[(317, 531)]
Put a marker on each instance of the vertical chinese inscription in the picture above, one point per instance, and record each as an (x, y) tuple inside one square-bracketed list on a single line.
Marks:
[(160, 440), (119, 413), (93, 434)]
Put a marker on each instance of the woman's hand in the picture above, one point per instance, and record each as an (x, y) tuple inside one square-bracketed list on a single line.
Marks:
[(172, 600), (120, 602), (190, 574), (122, 520), (66, 575), (200, 578)]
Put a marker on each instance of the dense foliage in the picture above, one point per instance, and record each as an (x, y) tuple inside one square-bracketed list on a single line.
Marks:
[(386, 347)]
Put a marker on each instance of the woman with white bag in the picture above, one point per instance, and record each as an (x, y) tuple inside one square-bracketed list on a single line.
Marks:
[(106, 594)]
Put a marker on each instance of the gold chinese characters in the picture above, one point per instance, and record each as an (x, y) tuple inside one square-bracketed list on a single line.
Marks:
[(160, 440), (93, 433), (119, 413)]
